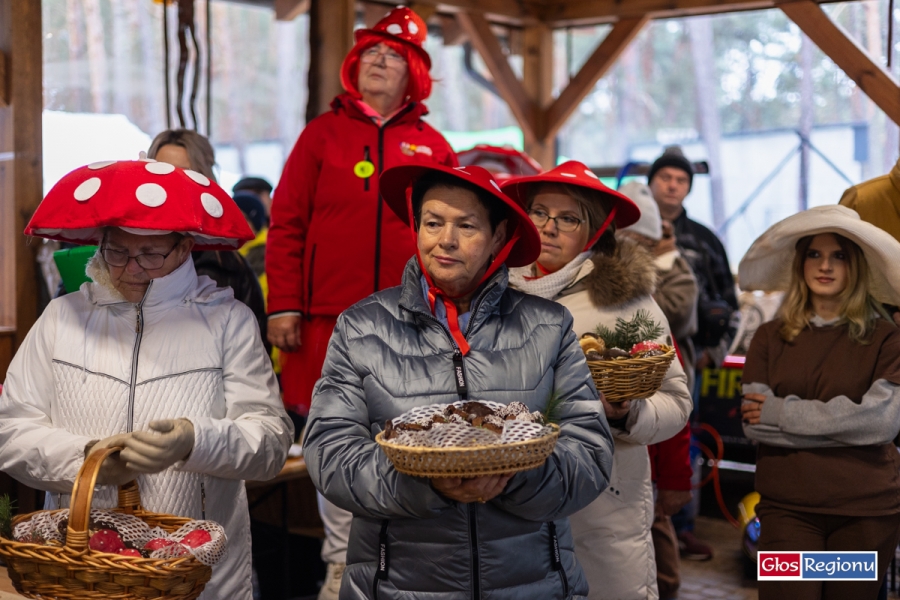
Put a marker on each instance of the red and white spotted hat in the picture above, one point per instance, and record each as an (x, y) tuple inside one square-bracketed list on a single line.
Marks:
[(400, 24), (396, 186), (575, 173), (139, 196)]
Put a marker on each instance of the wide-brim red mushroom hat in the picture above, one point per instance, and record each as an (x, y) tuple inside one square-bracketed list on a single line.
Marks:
[(575, 173), (403, 24), (523, 240), (140, 196), (514, 162)]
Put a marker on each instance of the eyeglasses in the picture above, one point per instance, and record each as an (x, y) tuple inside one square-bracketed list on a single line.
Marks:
[(566, 223), (391, 58), (118, 258)]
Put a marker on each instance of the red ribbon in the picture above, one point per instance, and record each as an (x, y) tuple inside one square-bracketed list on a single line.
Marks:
[(435, 292)]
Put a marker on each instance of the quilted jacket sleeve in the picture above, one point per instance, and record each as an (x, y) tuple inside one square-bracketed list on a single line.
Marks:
[(32, 449), (579, 468), (344, 462), (252, 439)]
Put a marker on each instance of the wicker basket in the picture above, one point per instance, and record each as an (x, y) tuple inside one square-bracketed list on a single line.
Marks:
[(630, 378), (74, 571), (470, 461)]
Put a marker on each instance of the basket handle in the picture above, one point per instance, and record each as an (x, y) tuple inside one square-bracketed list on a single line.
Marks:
[(83, 494)]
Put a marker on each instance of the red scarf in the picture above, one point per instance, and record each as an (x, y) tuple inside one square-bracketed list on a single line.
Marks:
[(435, 292)]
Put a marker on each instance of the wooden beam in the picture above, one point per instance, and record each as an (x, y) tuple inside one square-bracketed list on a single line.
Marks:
[(485, 42), (596, 66), (594, 12), (288, 10), (330, 38), (426, 11), (537, 79), (4, 85), (871, 77), (509, 12)]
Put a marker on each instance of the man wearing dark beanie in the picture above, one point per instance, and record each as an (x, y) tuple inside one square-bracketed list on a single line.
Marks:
[(670, 179)]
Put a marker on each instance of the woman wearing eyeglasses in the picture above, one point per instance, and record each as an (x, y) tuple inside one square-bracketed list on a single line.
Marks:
[(333, 241), (147, 356), (601, 278)]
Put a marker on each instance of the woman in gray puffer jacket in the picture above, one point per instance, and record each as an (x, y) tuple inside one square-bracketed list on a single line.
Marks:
[(494, 537)]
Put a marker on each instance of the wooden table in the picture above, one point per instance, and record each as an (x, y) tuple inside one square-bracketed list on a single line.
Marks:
[(294, 468)]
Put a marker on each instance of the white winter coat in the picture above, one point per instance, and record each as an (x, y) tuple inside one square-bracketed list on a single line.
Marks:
[(88, 370), (612, 535)]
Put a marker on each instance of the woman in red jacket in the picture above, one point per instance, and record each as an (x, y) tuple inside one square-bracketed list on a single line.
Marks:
[(332, 241)]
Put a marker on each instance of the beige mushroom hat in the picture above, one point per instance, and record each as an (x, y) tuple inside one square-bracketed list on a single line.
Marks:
[(767, 264), (141, 196)]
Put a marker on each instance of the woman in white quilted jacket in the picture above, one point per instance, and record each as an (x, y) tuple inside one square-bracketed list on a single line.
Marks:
[(147, 356)]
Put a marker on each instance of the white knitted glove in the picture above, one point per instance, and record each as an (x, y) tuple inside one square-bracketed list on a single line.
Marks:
[(167, 442)]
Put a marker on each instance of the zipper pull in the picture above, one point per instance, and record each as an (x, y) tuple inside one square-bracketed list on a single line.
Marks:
[(383, 564), (138, 324), (202, 499), (459, 375)]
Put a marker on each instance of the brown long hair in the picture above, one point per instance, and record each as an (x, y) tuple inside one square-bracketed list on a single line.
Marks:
[(200, 152), (856, 304)]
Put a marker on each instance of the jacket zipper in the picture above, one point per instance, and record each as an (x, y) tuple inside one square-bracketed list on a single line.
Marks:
[(309, 282), (139, 330), (473, 542), (556, 559), (380, 199), (366, 158)]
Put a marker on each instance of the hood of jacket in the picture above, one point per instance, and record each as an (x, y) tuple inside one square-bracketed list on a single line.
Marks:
[(181, 285), (628, 274), (411, 112)]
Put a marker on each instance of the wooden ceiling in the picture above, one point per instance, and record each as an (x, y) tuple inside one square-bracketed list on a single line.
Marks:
[(565, 13)]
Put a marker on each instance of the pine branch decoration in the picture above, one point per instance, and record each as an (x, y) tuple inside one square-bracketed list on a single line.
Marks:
[(551, 412), (640, 328), (6, 514)]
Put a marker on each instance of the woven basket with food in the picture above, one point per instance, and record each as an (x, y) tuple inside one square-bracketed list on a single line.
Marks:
[(121, 553), (468, 439), (626, 363)]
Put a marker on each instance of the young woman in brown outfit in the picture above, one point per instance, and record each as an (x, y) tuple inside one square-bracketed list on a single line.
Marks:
[(822, 395)]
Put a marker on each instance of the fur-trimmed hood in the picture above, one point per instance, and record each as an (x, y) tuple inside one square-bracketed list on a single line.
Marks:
[(628, 274)]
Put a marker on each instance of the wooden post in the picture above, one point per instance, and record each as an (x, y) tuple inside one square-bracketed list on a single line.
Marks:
[(870, 76), (330, 38), (537, 78), (21, 188), (21, 184)]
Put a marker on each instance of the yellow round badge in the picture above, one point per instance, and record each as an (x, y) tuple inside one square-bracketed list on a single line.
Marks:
[(363, 169)]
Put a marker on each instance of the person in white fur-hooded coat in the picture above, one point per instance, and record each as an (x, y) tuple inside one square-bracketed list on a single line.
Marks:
[(599, 279), (148, 357)]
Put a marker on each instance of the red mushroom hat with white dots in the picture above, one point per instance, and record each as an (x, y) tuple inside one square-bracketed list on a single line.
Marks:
[(402, 24), (141, 196)]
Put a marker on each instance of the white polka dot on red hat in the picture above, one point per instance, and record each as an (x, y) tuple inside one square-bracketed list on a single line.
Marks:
[(159, 168), (573, 176), (87, 189), (211, 205), (394, 29), (590, 173), (197, 177), (494, 183), (151, 194), (99, 165), (413, 28)]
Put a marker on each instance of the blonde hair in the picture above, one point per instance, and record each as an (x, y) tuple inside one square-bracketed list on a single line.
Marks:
[(594, 208), (856, 305)]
